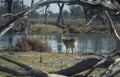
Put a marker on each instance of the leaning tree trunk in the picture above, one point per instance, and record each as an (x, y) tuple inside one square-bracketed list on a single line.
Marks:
[(85, 13)]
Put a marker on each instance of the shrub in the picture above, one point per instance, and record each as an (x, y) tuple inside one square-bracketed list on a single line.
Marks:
[(32, 44), (78, 29)]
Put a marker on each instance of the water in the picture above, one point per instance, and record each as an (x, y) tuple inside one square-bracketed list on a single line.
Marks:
[(98, 43)]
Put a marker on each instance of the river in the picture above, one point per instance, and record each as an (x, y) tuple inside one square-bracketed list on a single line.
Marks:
[(98, 43)]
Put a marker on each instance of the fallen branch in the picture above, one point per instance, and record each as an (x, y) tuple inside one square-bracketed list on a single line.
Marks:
[(89, 63), (27, 72), (82, 66), (107, 59), (17, 63), (114, 32)]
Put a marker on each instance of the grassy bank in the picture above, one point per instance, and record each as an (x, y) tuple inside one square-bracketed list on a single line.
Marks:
[(51, 62), (75, 29), (76, 26)]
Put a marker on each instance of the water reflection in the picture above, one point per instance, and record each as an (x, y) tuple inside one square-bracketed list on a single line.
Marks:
[(98, 43)]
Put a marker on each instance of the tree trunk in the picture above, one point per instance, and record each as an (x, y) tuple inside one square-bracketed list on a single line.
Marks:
[(46, 14), (60, 13), (85, 13), (22, 4), (10, 10)]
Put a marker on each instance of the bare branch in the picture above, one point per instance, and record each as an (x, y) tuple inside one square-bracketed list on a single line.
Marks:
[(101, 62), (7, 14), (93, 18)]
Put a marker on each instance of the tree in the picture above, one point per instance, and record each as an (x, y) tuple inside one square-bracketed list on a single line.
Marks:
[(10, 10), (88, 63), (60, 14), (46, 13), (66, 13)]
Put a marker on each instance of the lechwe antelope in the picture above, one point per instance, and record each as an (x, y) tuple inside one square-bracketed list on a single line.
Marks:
[(69, 43)]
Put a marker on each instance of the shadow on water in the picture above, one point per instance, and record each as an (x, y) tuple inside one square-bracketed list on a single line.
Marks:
[(98, 43)]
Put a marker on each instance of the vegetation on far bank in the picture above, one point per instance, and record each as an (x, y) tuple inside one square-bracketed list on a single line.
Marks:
[(75, 26)]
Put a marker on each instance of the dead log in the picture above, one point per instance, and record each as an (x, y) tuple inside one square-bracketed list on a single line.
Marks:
[(82, 66), (79, 67), (85, 64), (103, 61)]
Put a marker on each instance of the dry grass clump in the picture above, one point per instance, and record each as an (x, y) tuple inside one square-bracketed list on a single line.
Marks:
[(44, 28), (78, 29), (32, 44)]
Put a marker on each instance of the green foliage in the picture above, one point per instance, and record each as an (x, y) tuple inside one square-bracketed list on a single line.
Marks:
[(66, 13), (78, 29)]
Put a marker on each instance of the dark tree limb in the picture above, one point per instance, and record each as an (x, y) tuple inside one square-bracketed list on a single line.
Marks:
[(60, 13), (14, 71), (79, 67), (46, 13), (27, 72), (17, 63), (101, 62)]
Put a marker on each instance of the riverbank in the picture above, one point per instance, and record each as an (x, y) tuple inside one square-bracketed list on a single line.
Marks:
[(50, 61), (74, 29)]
